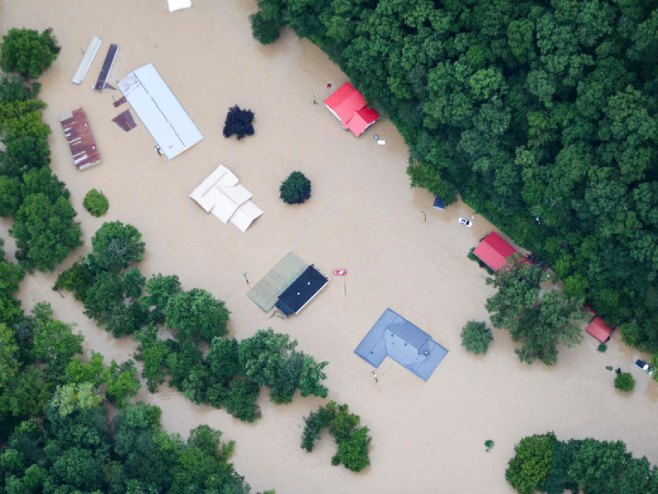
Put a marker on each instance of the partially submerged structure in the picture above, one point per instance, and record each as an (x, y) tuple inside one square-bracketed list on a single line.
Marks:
[(175, 5), (221, 194), (289, 286), (494, 250), (411, 347), (80, 139), (87, 59), (108, 63), (302, 290), (349, 106), (160, 111), (599, 330)]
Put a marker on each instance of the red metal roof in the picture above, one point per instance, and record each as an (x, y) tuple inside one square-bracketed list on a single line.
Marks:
[(599, 329), (80, 139), (349, 106), (361, 120), (494, 251)]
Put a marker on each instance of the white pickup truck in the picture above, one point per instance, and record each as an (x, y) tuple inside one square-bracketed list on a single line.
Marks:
[(641, 364)]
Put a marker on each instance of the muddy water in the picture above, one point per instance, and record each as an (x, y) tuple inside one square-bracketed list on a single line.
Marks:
[(399, 253)]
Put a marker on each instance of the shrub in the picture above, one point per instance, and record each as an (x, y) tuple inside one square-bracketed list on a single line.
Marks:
[(352, 440), (295, 189), (96, 203), (238, 122), (602, 347), (476, 337), (625, 382)]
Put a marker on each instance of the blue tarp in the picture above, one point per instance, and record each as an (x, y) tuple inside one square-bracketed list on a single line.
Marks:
[(301, 291), (438, 203), (393, 336)]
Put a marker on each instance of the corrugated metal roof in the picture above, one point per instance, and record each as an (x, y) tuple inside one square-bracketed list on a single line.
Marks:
[(494, 251), (266, 292)]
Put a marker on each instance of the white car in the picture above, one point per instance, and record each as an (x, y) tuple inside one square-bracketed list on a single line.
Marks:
[(641, 364), (465, 222)]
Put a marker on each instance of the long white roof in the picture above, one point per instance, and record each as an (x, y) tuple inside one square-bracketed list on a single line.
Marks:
[(159, 110)]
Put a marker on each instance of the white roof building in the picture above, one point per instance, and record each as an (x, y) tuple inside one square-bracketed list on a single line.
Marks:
[(221, 194), (159, 110), (178, 4)]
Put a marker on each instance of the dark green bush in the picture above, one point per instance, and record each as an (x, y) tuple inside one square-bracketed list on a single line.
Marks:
[(96, 203), (239, 122), (296, 189), (476, 337), (625, 382)]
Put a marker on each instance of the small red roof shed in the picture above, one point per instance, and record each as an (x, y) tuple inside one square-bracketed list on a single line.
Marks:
[(599, 329), (349, 106), (494, 251)]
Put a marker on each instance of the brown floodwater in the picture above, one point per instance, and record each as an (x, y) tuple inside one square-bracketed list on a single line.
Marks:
[(363, 216)]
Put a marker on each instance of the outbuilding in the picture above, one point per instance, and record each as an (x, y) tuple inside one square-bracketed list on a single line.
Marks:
[(494, 251), (599, 330), (349, 106)]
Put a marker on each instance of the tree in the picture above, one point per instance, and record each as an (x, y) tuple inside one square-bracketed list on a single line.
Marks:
[(625, 382), (96, 203), (197, 315), (476, 337), (25, 152), (531, 464), (54, 343), (296, 189), (10, 195), (45, 231), (158, 290), (518, 288), (28, 52), (122, 382), (115, 246), (153, 354), (539, 324), (133, 283), (238, 122), (15, 88), (267, 22), (352, 440)]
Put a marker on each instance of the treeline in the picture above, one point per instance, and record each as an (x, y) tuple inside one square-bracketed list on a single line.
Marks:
[(542, 463), (68, 425), (175, 327), (543, 115), (44, 221)]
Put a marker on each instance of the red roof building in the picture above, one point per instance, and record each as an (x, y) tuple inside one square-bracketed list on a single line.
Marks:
[(494, 251), (599, 329), (349, 107)]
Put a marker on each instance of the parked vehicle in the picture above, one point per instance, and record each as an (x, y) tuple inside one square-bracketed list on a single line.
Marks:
[(465, 222), (641, 364)]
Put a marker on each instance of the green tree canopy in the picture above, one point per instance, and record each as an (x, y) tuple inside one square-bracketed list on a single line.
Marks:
[(476, 337), (197, 315), (28, 52), (115, 246), (45, 231)]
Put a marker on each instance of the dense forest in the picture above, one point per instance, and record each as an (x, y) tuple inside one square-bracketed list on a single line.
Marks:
[(541, 114), (68, 426), (543, 463)]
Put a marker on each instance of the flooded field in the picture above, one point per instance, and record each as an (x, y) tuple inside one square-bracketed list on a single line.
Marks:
[(363, 216)]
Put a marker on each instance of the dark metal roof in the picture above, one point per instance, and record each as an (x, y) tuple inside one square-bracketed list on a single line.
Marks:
[(302, 290)]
